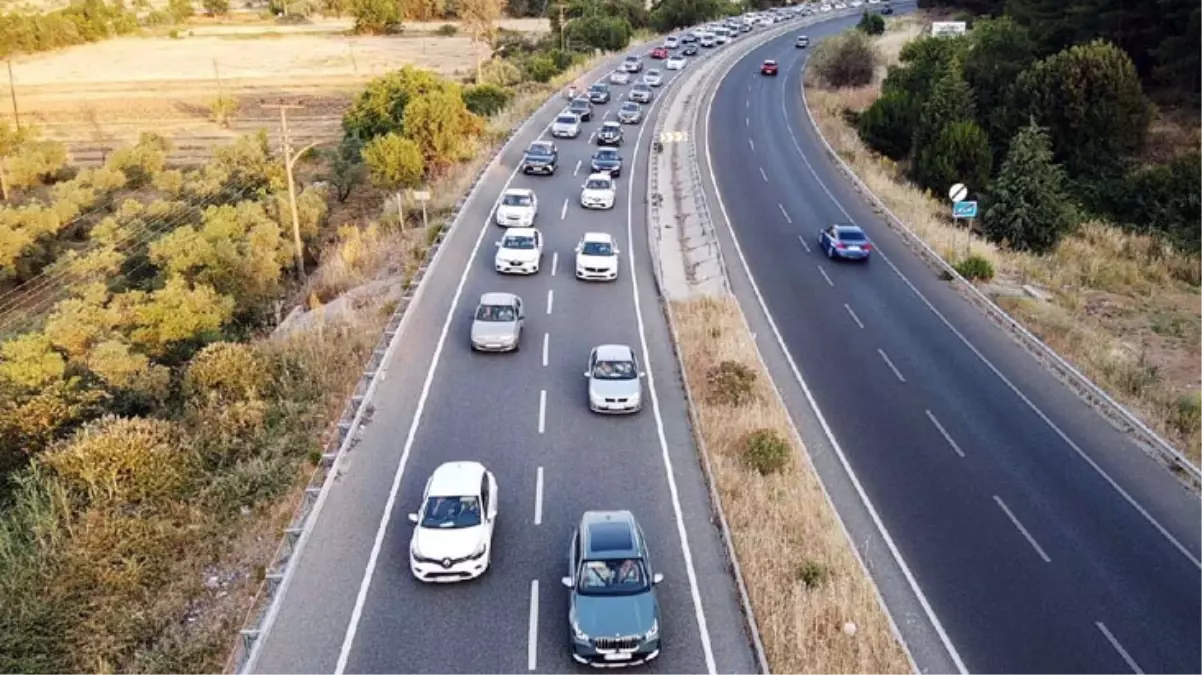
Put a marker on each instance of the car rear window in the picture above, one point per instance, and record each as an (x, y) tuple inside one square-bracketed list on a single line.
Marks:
[(519, 242), (517, 200), (565, 119), (851, 235)]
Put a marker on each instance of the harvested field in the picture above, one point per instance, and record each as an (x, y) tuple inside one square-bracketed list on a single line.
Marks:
[(1124, 309), (97, 96), (805, 582)]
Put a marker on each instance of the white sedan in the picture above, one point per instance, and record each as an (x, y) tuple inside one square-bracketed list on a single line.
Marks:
[(520, 251), (598, 192), (453, 538), (518, 208), (597, 257), (676, 63), (619, 77)]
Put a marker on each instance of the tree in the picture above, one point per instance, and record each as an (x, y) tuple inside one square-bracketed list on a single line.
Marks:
[(380, 107), (887, 126), (847, 60), (486, 100), (375, 17), (871, 23), (1000, 51), (395, 163), (347, 170), (668, 15), (180, 10), (609, 34), (950, 102), (11, 141), (480, 18), (1027, 206), (441, 125), (1091, 102), (960, 154), (174, 321), (216, 7), (921, 62)]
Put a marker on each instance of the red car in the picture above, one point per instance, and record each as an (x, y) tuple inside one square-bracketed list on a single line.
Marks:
[(659, 53), (769, 68)]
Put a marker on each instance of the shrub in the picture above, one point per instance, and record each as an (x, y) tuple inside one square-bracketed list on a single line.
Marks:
[(225, 372), (811, 574), (486, 100), (731, 383), (1188, 414), (1165, 198), (539, 68), (961, 153), (606, 33), (846, 60), (766, 452), (1027, 205), (975, 268), (871, 23), (447, 30), (500, 73), (887, 126), (216, 7), (380, 107)]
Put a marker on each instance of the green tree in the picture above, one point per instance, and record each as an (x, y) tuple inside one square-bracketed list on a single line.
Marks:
[(921, 61), (441, 125), (609, 34), (380, 107), (887, 126), (180, 10), (216, 7), (174, 321), (1028, 206), (846, 60), (375, 17), (950, 102), (346, 169), (1090, 100), (486, 100), (960, 154), (669, 15), (1000, 51), (11, 141), (871, 23), (395, 163)]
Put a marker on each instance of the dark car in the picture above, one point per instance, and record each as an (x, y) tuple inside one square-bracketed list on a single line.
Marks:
[(541, 157), (613, 611), (582, 108), (769, 67), (607, 160), (630, 113), (690, 49), (598, 93), (688, 38), (887, 9), (844, 242), (610, 134), (641, 93)]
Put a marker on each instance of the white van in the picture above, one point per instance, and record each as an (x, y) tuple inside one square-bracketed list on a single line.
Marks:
[(721, 35)]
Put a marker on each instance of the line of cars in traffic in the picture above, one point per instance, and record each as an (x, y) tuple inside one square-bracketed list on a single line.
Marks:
[(614, 614)]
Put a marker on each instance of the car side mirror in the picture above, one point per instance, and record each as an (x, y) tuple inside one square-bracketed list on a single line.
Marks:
[(413, 517), (586, 373), (657, 578), (566, 581), (643, 374), (498, 244), (617, 251)]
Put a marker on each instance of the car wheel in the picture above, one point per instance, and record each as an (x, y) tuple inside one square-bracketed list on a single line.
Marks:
[(517, 346), (830, 252)]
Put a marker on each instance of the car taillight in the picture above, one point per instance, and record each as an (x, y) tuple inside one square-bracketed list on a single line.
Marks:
[(839, 244), (866, 246)]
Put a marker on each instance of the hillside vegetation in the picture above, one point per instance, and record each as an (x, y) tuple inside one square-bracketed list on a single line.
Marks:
[(1086, 189), (156, 419)]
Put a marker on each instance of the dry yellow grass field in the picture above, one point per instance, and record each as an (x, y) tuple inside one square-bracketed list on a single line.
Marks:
[(1124, 309), (802, 575)]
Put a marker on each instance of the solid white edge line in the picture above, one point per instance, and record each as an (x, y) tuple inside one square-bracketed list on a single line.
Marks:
[(532, 634), (542, 411), (538, 496), (989, 364), (826, 429), (1022, 530), (678, 512), (890, 364), (1119, 648), (946, 436), (546, 347)]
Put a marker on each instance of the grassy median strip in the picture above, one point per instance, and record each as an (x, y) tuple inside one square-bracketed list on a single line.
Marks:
[(817, 610)]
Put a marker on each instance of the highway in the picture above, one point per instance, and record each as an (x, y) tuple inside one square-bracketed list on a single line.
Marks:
[(524, 415), (1043, 539)]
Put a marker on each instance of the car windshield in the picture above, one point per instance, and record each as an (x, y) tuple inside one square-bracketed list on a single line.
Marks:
[(597, 248), (632, 59), (851, 235), (597, 184), (630, 108), (449, 513), (502, 313), (641, 88), (614, 370), (579, 105), (520, 242), (596, 88), (565, 119), (517, 200), (613, 577)]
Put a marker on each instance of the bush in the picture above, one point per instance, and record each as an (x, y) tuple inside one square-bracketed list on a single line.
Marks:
[(871, 23), (447, 30), (1188, 413), (380, 107), (766, 452), (847, 60), (216, 7), (1164, 199), (609, 34), (375, 17), (975, 268), (500, 73), (887, 126), (486, 100), (731, 383), (225, 372), (539, 68), (1027, 206), (960, 154)]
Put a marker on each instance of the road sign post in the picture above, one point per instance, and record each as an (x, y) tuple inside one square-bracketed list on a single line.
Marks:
[(962, 210), (422, 196)]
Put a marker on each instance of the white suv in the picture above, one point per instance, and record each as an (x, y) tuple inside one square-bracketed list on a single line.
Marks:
[(598, 192), (520, 251), (518, 208), (453, 538), (597, 257)]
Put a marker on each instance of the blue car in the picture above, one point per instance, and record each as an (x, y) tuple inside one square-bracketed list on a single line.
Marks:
[(845, 242)]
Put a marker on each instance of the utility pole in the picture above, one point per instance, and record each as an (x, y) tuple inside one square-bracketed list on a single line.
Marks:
[(563, 33), (12, 91), (289, 163)]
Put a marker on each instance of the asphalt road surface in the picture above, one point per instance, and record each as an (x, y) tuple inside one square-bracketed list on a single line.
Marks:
[(355, 605), (1044, 540)]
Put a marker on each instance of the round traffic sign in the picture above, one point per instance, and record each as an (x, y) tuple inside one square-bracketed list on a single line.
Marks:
[(958, 192)]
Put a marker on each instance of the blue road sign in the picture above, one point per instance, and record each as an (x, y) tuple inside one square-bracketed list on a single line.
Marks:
[(964, 210)]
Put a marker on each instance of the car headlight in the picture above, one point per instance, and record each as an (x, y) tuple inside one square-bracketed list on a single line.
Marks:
[(577, 633), (483, 547), (652, 632)]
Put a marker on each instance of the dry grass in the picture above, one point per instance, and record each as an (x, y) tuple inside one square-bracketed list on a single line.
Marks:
[(802, 575), (1124, 309)]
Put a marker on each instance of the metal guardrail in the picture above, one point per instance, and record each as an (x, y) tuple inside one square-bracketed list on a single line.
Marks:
[(1112, 410)]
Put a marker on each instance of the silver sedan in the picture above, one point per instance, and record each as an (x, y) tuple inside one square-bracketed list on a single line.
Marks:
[(615, 383), (497, 325)]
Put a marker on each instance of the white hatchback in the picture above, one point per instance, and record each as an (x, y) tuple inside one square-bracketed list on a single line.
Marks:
[(453, 538), (676, 63), (520, 251), (597, 257), (598, 192)]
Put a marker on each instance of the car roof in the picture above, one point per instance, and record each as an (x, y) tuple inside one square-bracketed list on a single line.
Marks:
[(456, 479), (610, 535), (521, 232), (769, 62), (601, 237), (615, 353), (497, 298)]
